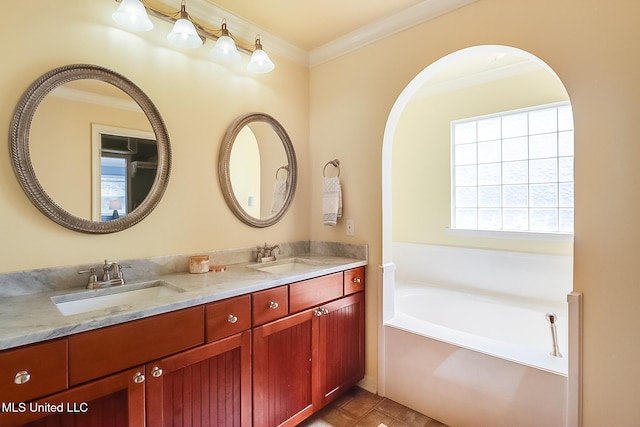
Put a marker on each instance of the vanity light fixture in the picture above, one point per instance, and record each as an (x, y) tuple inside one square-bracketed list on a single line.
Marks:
[(189, 32), (260, 62), (132, 15), (225, 48), (184, 33)]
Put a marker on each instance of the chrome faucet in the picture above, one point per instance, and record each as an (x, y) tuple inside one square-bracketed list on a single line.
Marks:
[(266, 253), (111, 275), (111, 271)]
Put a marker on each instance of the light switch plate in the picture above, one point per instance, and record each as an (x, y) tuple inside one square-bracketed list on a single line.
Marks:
[(350, 227)]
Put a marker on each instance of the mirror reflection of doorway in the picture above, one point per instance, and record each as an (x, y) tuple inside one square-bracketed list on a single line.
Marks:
[(125, 169), (128, 168)]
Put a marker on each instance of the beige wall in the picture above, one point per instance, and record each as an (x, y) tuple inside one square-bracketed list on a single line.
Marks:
[(197, 98), (592, 46)]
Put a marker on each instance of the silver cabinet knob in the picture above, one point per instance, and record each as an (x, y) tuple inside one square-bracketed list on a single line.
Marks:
[(22, 377), (156, 372), (320, 311), (138, 378), (357, 280), (273, 305), (232, 318)]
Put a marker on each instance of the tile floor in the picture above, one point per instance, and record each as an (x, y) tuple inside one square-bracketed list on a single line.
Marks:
[(360, 408)]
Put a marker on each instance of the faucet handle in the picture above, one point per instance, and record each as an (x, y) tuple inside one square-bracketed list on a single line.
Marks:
[(117, 271), (108, 267), (93, 277)]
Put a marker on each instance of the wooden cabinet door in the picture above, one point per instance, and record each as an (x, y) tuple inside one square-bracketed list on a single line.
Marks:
[(283, 376), (341, 346), (114, 401), (208, 386)]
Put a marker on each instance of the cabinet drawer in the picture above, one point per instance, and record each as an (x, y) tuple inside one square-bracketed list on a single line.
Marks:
[(97, 353), (354, 280), (270, 304), (316, 291), (33, 371), (228, 317)]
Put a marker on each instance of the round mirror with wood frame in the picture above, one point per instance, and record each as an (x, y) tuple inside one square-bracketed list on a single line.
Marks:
[(271, 164), (19, 145)]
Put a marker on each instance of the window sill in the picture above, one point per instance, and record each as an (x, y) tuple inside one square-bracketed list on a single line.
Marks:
[(513, 235)]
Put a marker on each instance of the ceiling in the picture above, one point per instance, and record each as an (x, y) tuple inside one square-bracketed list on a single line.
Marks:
[(310, 24), (316, 31)]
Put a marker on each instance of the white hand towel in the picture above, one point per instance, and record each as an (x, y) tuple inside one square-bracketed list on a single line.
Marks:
[(279, 194), (331, 201)]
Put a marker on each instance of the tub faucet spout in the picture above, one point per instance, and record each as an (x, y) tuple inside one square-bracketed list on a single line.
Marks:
[(552, 317)]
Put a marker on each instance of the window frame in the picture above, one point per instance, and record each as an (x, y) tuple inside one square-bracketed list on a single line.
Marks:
[(501, 232)]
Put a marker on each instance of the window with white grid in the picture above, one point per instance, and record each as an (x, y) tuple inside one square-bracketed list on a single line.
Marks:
[(513, 171)]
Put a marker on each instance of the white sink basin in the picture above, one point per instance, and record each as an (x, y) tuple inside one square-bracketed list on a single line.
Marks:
[(98, 299), (289, 265)]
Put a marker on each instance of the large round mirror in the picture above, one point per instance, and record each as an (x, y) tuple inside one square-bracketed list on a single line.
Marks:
[(90, 149), (257, 169)]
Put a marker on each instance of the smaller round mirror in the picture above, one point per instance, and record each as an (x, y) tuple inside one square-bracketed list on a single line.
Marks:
[(257, 169)]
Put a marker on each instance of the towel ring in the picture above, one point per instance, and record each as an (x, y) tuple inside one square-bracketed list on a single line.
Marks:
[(286, 167), (335, 163)]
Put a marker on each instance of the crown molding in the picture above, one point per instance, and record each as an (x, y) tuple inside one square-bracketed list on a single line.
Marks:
[(213, 15), (421, 12)]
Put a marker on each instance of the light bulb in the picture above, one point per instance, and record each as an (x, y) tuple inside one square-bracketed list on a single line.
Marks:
[(260, 62), (131, 14), (225, 49), (184, 35)]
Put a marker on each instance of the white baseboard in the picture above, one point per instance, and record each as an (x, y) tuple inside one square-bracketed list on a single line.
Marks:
[(368, 383)]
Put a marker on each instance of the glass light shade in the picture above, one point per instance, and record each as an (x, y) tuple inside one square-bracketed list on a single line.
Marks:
[(132, 15), (260, 62), (225, 49), (184, 35)]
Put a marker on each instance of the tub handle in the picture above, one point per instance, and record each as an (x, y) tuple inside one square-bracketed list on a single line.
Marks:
[(552, 317)]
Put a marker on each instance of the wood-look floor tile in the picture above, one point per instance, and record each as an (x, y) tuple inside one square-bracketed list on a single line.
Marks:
[(361, 403), (360, 408)]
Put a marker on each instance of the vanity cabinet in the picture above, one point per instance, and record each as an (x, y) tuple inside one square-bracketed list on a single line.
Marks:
[(269, 358), (303, 361)]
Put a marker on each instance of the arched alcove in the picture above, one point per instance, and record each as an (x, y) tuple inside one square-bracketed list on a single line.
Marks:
[(527, 267)]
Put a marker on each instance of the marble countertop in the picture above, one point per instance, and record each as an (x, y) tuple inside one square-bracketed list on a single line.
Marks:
[(33, 318)]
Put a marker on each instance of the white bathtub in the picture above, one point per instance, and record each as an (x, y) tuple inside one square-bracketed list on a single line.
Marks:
[(473, 359), (507, 327)]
